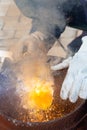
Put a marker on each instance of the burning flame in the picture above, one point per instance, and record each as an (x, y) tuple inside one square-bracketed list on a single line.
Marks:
[(40, 96)]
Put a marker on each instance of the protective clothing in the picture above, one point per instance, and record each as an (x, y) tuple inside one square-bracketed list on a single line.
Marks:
[(51, 17), (75, 83)]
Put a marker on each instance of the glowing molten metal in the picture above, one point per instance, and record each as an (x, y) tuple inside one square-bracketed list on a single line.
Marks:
[(40, 97)]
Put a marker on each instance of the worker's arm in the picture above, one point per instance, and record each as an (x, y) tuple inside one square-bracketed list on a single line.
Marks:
[(47, 15), (50, 17), (77, 17)]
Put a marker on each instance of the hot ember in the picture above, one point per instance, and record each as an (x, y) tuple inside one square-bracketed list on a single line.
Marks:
[(39, 97)]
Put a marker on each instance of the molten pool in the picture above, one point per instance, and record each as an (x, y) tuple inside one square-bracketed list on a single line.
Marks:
[(40, 105)]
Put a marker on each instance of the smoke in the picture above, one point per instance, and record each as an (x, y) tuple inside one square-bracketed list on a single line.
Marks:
[(30, 63), (49, 16), (34, 66), (19, 77), (46, 14)]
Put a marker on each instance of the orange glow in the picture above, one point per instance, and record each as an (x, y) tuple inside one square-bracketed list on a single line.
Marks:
[(40, 97)]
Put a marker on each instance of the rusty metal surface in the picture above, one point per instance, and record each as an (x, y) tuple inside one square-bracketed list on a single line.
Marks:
[(68, 122)]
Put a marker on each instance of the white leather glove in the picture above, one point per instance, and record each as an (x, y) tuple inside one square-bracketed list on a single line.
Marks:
[(75, 83)]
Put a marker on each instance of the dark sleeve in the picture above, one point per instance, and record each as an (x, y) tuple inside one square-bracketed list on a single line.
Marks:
[(78, 16), (51, 16), (46, 15), (27, 7)]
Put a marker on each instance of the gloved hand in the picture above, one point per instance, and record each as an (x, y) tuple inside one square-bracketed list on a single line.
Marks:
[(75, 83)]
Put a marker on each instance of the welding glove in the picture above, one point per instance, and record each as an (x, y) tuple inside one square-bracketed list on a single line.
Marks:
[(75, 83)]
